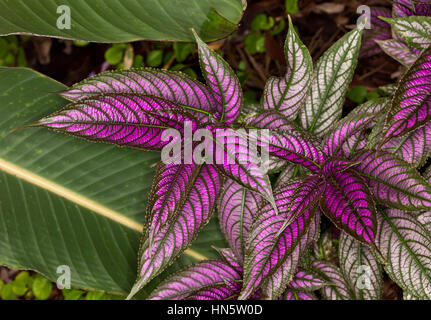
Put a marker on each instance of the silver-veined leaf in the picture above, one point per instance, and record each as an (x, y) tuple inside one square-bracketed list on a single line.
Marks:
[(416, 31), (338, 288)]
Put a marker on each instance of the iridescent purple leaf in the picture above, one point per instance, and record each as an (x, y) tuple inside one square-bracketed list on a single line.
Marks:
[(173, 86), (402, 8), (222, 81), (336, 165), (170, 185), (306, 281), (411, 107), (348, 203), (416, 31), (208, 280), (406, 244), (339, 288), (287, 94), (399, 51), (423, 8), (332, 76), (279, 280), (393, 181), (415, 147), (125, 120), (237, 207), (177, 235), (291, 294), (360, 268), (271, 240), (230, 258), (380, 30)]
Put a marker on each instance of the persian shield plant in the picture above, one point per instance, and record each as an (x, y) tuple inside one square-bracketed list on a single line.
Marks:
[(358, 172)]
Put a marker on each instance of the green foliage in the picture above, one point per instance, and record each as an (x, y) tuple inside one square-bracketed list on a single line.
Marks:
[(183, 50), (11, 53), (279, 27), (155, 58), (262, 22), (292, 6), (41, 287), (360, 94), (80, 43), (114, 55), (255, 43)]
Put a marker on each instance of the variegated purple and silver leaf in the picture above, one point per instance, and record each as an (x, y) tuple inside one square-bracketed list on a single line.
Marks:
[(287, 174), (271, 241), (415, 30), (270, 119), (171, 184), (338, 288), (375, 106), (335, 165), (287, 94), (306, 281), (177, 235), (394, 182), (344, 138), (402, 8), (237, 207), (399, 51), (348, 203), (423, 8), (380, 30), (360, 268), (406, 245), (230, 258), (234, 158), (411, 106), (332, 76), (173, 86), (279, 280), (125, 120), (415, 147), (222, 81), (291, 294), (207, 280)]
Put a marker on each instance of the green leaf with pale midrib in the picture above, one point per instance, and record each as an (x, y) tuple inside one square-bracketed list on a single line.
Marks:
[(64, 201), (123, 20)]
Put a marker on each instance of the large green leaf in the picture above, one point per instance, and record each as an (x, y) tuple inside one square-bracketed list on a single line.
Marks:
[(122, 20), (65, 201)]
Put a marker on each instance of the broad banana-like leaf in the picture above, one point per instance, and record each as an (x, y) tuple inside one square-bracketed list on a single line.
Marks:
[(125, 120), (70, 203), (287, 94), (393, 181), (348, 203), (177, 235), (271, 240), (399, 51), (122, 21), (411, 106), (222, 81), (332, 76), (338, 288), (360, 268), (415, 30), (237, 207), (406, 244), (174, 86), (207, 280)]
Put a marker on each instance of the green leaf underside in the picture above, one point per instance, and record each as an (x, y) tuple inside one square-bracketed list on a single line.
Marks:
[(69, 202), (122, 21)]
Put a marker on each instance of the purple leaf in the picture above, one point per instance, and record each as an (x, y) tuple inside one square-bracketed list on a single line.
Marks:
[(423, 8), (415, 147), (270, 119), (237, 207), (230, 258), (411, 107), (271, 240), (402, 8), (287, 94), (380, 30), (170, 185), (306, 281), (173, 86), (292, 294), (360, 269), (134, 121), (208, 280), (222, 81), (393, 181), (278, 281), (406, 244), (348, 203), (177, 235), (336, 165), (339, 288), (399, 51)]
